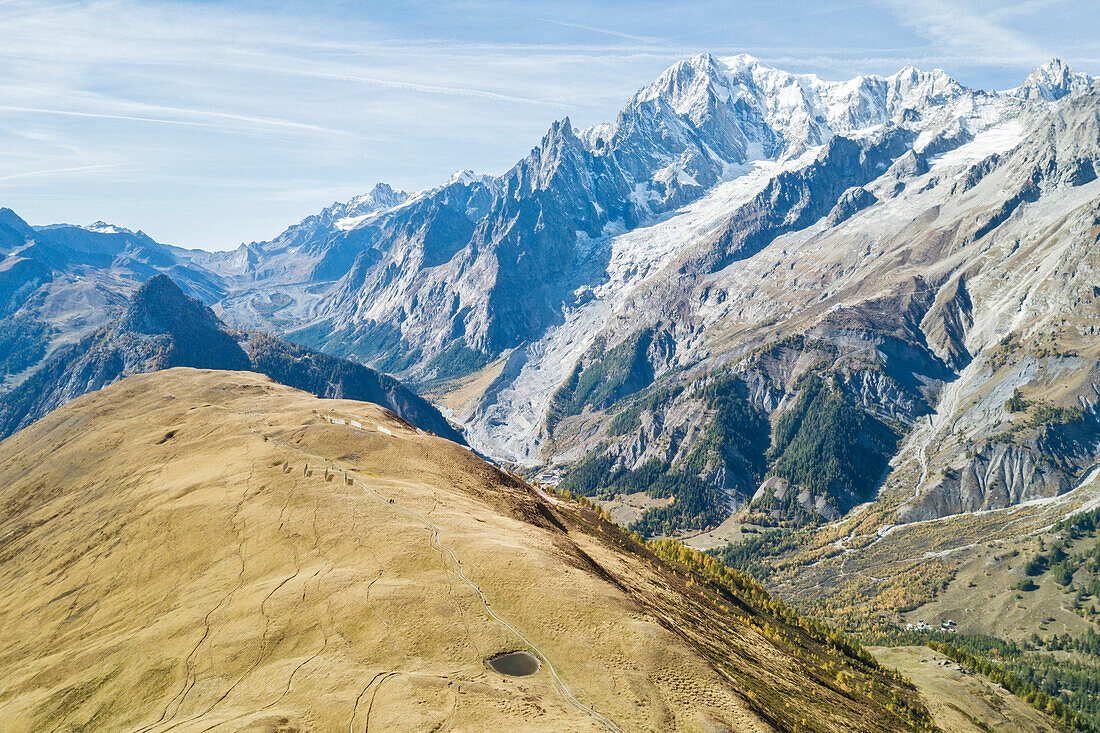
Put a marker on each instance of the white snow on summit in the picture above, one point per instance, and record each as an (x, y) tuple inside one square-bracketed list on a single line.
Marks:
[(102, 227), (1053, 80), (466, 177)]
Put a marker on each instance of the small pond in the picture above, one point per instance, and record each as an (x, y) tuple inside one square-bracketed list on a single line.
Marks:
[(515, 664)]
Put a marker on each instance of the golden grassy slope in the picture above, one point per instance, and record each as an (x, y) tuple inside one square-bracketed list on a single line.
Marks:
[(167, 563), (962, 701), (460, 394)]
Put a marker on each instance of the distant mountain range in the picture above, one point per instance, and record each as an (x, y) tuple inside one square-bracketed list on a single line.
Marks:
[(161, 328), (753, 290)]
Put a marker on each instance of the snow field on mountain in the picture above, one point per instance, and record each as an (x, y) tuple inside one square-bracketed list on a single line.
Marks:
[(996, 139), (510, 425)]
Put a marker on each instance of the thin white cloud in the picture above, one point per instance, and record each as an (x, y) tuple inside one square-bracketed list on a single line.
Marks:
[(101, 115), (251, 120), (604, 31), (60, 171), (403, 85), (248, 121), (957, 29)]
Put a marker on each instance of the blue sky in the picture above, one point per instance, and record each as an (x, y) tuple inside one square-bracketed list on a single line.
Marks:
[(211, 123)]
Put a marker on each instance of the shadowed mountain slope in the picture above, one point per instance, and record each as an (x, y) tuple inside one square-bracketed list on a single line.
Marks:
[(60, 283), (162, 327)]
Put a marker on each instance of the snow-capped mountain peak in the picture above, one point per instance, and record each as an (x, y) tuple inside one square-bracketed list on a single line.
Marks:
[(346, 215), (467, 177), (741, 60), (1053, 80), (102, 227), (381, 196), (914, 89), (745, 110), (686, 84)]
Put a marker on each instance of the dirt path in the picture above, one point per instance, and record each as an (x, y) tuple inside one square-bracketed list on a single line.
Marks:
[(544, 495)]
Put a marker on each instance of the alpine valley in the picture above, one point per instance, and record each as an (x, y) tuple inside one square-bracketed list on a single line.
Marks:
[(843, 335)]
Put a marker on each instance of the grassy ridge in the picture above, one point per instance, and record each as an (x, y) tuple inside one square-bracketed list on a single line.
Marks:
[(830, 657), (1067, 690)]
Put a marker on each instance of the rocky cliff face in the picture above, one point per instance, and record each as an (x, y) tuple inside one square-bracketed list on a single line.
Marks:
[(996, 307), (908, 291), (493, 263)]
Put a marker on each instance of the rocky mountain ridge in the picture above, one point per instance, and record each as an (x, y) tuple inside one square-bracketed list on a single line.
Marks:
[(741, 246)]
